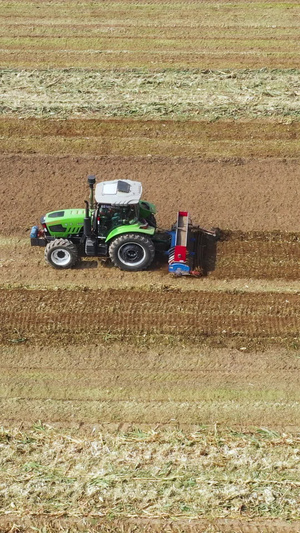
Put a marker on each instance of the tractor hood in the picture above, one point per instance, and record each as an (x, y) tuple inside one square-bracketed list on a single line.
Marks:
[(64, 222)]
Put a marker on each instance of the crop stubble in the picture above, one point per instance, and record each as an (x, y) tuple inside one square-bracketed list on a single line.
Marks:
[(131, 34)]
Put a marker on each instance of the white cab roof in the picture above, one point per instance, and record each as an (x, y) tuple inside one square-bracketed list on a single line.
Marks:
[(118, 192)]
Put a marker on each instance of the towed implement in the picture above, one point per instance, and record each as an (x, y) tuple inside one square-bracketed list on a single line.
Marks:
[(117, 224)]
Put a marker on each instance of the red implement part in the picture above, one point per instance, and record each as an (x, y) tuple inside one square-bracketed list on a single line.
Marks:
[(180, 253)]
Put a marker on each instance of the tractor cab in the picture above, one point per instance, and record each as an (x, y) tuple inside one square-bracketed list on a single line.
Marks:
[(118, 203)]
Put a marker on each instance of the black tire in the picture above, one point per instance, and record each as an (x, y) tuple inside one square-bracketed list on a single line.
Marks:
[(61, 253), (132, 252)]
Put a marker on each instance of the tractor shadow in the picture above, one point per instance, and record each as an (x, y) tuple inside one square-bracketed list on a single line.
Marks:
[(208, 260)]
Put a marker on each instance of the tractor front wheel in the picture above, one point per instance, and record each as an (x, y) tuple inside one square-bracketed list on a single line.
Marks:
[(61, 253), (132, 251)]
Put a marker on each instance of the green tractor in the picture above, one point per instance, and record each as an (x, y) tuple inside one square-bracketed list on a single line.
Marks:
[(115, 223)]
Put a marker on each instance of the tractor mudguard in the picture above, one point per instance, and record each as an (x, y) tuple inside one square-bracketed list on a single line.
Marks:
[(130, 228)]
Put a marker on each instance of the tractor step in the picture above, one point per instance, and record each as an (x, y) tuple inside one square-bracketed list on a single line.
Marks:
[(93, 248)]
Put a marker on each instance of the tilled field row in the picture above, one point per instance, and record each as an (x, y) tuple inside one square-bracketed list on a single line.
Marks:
[(156, 525), (62, 316), (139, 356), (241, 413), (113, 383), (250, 265), (209, 138), (272, 256), (139, 386)]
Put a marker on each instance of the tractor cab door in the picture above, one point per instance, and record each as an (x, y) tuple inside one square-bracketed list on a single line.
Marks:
[(109, 217)]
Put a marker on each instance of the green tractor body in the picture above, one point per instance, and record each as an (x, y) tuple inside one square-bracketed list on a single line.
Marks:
[(64, 223), (68, 223), (116, 224)]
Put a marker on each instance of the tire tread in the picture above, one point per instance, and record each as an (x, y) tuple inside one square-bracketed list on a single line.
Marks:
[(66, 244), (143, 239)]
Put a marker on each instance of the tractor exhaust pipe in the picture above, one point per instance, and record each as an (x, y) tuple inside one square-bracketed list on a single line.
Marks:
[(91, 182)]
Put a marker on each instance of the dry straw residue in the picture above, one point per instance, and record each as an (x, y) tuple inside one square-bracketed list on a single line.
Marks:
[(155, 473), (208, 95)]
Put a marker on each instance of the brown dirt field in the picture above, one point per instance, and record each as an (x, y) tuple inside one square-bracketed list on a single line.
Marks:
[(233, 194), (146, 349), (62, 351), (47, 58), (146, 525)]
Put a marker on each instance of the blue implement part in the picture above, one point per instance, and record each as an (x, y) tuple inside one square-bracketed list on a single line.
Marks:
[(35, 240), (180, 269), (34, 232), (178, 252)]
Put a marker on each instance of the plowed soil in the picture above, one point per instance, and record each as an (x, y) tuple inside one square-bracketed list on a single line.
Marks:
[(72, 317), (232, 194), (146, 525)]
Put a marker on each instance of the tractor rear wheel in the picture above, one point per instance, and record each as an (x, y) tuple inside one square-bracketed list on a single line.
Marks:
[(132, 251), (61, 253)]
